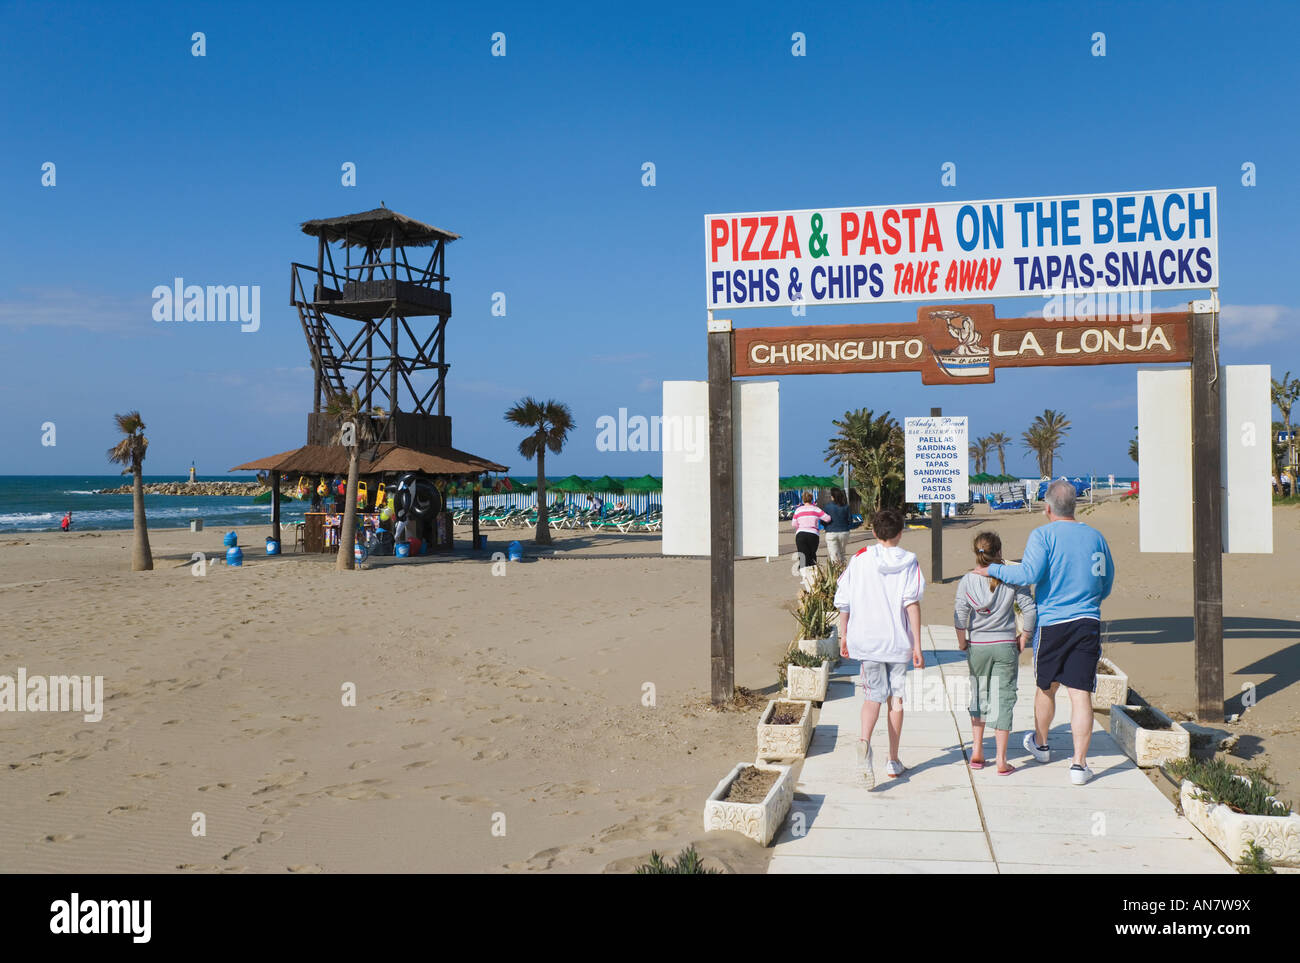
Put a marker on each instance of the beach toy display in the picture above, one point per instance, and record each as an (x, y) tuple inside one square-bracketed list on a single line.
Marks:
[(234, 556), (402, 549), (359, 553)]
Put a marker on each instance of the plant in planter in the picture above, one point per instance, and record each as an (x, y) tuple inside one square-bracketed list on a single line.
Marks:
[(1112, 686), (805, 676), (752, 799), (784, 729), (687, 863), (1235, 808), (1149, 736), (817, 617)]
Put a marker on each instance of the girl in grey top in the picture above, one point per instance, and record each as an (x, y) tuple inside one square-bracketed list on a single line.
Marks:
[(985, 619)]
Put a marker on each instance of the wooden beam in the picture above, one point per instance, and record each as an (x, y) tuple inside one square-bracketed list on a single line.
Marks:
[(1207, 518), (936, 527), (474, 542), (275, 508), (722, 522)]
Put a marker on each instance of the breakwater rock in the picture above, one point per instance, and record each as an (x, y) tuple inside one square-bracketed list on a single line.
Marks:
[(195, 488)]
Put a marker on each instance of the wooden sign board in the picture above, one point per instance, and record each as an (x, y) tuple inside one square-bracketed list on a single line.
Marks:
[(959, 344)]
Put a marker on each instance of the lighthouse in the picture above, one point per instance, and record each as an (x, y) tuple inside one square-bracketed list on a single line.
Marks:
[(191, 479)]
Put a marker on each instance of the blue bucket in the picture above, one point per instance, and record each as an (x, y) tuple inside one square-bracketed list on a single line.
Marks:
[(272, 547), (231, 540), (516, 552), (234, 556), (402, 550)]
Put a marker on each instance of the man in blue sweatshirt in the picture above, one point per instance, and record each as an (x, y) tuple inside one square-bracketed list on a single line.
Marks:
[(1069, 565)]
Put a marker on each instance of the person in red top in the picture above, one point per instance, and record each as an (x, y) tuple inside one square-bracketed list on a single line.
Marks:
[(66, 524)]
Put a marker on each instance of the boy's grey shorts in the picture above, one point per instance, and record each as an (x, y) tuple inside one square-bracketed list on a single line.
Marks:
[(880, 680)]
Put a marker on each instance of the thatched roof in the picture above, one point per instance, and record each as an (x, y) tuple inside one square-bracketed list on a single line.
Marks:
[(373, 228), (333, 460)]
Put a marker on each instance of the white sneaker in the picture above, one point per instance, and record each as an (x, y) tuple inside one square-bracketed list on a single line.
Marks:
[(895, 769), (1080, 774), (1040, 755), (866, 763)]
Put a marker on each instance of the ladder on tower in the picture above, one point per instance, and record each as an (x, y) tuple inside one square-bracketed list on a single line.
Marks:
[(322, 350)]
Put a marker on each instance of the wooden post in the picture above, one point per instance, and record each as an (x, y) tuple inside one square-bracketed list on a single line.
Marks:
[(474, 543), (1207, 517), (275, 507), (722, 519), (936, 528)]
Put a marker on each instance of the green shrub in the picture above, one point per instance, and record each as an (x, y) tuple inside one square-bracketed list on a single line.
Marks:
[(687, 862), (1241, 788), (793, 656), (1256, 863)]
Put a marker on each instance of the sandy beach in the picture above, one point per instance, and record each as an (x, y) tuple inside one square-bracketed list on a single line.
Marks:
[(499, 723)]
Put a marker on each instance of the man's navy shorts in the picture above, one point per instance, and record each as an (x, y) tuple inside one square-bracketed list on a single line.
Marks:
[(1067, 653)]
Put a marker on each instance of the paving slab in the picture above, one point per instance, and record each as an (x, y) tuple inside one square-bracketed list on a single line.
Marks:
[(942, 817)]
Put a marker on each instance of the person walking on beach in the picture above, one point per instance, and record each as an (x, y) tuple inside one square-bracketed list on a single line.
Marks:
[(806, 539), (1070, 565), (879, 601), (837, 529), (66, 524), (985, 618)]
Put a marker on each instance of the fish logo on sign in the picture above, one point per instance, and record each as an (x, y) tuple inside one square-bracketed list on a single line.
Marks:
[(969, 359)]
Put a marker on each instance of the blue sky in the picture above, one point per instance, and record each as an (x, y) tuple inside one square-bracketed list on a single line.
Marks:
[(203, 167)]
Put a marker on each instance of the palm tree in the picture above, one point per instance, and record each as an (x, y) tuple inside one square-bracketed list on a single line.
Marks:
[(1045, 436), (882, 465), (550, 423), (998, 441), (1285, 394), (130, 452), (354, 432), (872, 446), (980, 452)]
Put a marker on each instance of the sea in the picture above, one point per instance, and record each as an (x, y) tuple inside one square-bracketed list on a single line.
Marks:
[(36, 503)]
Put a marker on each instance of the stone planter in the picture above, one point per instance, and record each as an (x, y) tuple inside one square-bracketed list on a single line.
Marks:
[(827, 648), (758, 821), (1149, 747), (784, 742), (806, 683), (1112, 690), (1233, 832)]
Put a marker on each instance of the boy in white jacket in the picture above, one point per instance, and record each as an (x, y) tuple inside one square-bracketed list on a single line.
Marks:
[(879, 600)]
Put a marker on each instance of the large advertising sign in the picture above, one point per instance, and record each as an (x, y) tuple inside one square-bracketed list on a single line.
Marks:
[(1163, 240), (935, 462)]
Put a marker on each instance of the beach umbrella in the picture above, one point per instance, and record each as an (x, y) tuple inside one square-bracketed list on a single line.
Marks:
[(573, 483), (643, 484), (605, 484)]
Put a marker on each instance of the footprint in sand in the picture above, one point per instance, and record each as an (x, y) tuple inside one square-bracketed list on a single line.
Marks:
[(217, 785), (414, 745), (269, 836), (305, 868), (361, 764), (61, 837), (418, 765), (281, 781)]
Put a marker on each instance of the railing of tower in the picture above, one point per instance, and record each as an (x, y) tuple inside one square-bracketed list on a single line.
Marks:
[(333, 283)]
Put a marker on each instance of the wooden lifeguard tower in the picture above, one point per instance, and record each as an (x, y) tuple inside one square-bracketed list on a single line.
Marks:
[(375, 327)]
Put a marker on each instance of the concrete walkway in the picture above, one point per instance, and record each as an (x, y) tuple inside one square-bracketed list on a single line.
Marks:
[(943, 817)]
